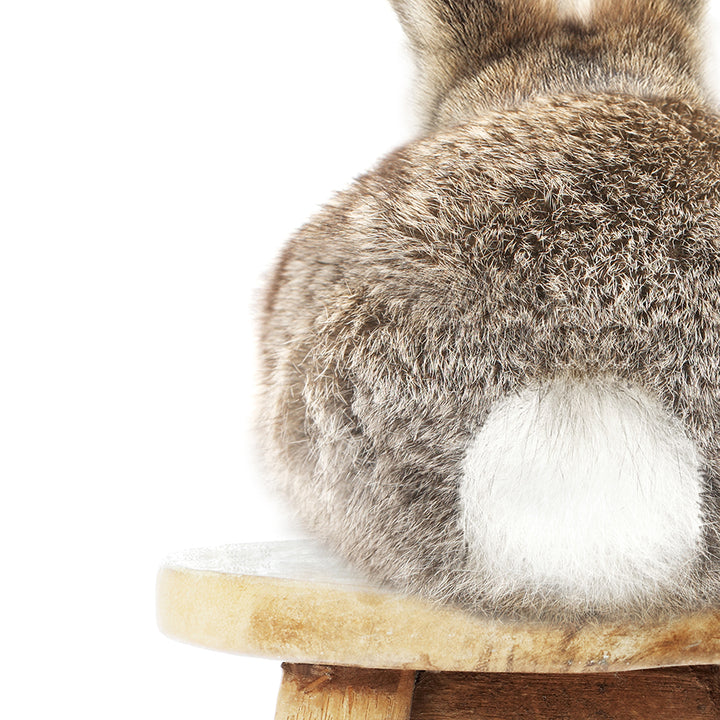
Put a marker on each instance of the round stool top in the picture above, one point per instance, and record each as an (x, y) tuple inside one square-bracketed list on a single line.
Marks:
[(291, 601)]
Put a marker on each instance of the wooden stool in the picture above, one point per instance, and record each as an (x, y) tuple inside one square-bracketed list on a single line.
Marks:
[(357, 652)]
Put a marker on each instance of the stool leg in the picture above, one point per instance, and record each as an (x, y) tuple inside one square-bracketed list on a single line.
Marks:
[(327, 692), (679, 693)]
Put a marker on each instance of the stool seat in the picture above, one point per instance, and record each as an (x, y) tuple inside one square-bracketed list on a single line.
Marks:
[(293, 602)]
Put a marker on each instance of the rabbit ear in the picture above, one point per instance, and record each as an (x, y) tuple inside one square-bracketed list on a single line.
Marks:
[(455, 38), (517, 48), (461, 31)]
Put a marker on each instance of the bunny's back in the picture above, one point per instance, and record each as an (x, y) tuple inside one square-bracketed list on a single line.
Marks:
[(490, 366)]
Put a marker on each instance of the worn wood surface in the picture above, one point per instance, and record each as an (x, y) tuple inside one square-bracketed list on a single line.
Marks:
[(321, 692), (290, 602), (686, 693)]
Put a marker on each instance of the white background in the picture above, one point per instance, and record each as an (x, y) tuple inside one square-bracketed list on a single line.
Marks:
[(154, 155)]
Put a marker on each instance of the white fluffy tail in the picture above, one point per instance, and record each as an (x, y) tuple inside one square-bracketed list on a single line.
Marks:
[(586, 488)]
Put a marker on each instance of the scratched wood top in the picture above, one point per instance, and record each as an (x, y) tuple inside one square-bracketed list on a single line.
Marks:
[(290, 601)]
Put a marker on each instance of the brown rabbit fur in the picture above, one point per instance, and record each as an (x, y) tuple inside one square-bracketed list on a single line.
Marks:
[(557, 223)]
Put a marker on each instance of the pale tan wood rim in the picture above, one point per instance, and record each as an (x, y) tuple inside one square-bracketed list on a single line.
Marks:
[(347, 623)]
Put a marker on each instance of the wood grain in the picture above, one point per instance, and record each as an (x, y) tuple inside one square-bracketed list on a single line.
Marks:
[(323, 692), (231, 599), (685, 693)]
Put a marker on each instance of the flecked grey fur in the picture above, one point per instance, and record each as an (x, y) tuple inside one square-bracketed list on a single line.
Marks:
[(559, 218)]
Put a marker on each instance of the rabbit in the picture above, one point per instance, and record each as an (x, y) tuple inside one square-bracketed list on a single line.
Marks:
[(490, 367)]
